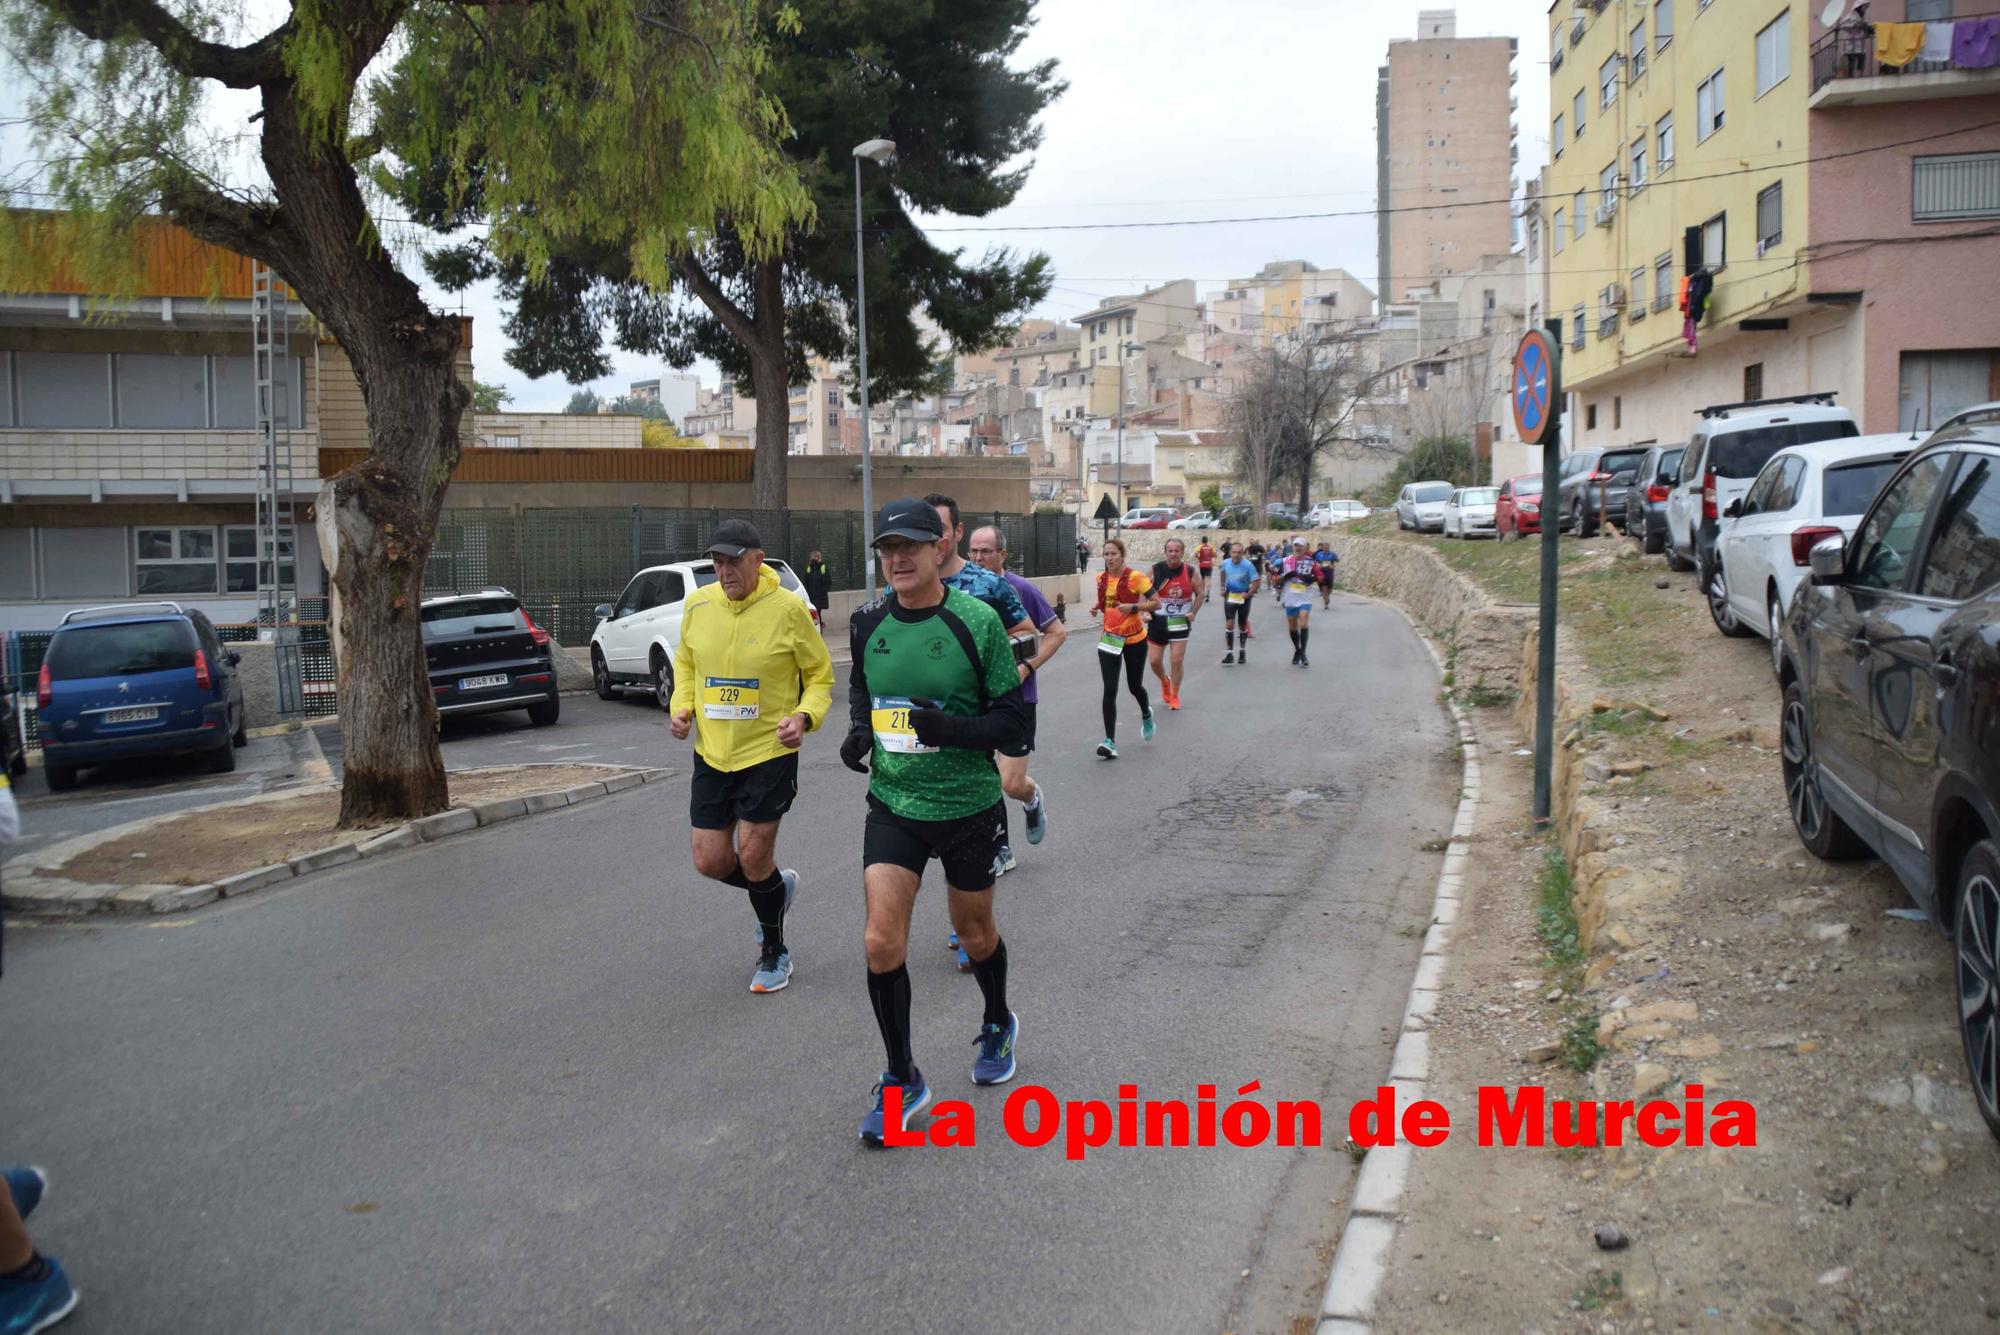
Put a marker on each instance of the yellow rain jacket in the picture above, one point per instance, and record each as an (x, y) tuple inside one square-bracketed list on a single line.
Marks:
[(745, 667)]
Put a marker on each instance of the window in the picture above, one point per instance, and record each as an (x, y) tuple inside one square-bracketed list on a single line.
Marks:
[(1846, 490), (63, 389), (1607, 82), (1663, 282), (1883, 546), (1576, 211), (166, 392), (1556, 135), (1774, 53), (1714, 239), (1617, 412), (1952, 185), (1534, 239), (1638, 47), (1589, 419), (1770, 217), (1635, 300), (174, 560), (1708, 107), (1576, 114), (1965, 555), (1921, 11), (121, 650), (1753, 382), (240, 572), (1663, 142), (1607, 186), (1663, 23), (1638, 164), (512, 442), (1576, 327)]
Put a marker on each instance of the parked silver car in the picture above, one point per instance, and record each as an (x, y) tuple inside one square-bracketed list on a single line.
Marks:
[(1420, 506), (1469, 512)]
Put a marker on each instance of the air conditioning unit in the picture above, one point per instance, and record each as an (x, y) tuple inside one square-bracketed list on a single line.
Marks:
[(1612, 297), (1607, 210)]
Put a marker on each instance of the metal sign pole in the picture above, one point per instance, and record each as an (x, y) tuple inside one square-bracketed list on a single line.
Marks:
[(1537, 396)]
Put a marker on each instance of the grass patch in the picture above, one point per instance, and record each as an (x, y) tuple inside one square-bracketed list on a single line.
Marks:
[(1555, 921), (1618, 722), (1483, 696), (1580, 1048), (1601, 1289), (1437, 845)]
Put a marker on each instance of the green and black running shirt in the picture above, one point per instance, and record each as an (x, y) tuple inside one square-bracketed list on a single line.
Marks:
[(956, 654)]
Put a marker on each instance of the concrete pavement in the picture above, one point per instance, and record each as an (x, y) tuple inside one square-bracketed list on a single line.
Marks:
[(517, 1081)]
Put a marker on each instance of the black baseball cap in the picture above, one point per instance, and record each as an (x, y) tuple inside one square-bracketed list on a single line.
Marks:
[(733, 537), (908, 517)]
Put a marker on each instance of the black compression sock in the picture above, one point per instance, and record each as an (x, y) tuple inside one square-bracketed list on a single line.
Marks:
[(992, 975), (889, 993), (1304, 631), (736, 878), (1293, 631), (767, 901), (1229, 639)]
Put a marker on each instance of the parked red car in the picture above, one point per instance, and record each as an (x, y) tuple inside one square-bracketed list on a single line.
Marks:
[(1519, 509)]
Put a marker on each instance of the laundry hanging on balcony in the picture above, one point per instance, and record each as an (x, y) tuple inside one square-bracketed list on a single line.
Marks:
[(1937, 43), (1975, 43), (1897, 44)]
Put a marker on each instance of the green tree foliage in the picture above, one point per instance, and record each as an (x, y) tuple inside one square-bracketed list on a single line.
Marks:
[(631, 404), (583, 402), (1211, 499), (934, 78), (1436, 459), (531, 130), (489, 398)]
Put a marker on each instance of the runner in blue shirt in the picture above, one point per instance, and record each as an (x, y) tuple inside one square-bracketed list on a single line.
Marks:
[(1324, 559), (1239, 584)]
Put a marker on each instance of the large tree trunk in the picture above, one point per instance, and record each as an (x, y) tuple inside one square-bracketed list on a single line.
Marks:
[(382, 513), (770, 382)]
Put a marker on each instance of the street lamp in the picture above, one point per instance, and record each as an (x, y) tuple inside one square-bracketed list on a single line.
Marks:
[(1124, 347), (880, 152)]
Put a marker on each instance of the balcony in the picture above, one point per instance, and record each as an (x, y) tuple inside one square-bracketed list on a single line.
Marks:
[(1845, 73), (178, 464)]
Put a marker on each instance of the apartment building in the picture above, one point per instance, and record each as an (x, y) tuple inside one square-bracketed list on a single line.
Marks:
[(1129, 323), (678, 393), (818, 411), (556, 431), (1445, 153)]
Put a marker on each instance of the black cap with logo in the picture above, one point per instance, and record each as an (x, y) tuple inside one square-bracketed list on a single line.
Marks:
[(908, 517), (733, 537)]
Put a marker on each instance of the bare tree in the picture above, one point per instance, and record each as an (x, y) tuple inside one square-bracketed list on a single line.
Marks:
[(1297, 405)]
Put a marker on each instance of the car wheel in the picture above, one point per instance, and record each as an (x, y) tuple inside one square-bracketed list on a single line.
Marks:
[(1675, 561), (1652, 543), (1823, 832), (222, 760), (1719, 611), (61, 778), (1976, 945), (663, 680), (1774, 618), (241, 737), (600, 676), (545, 713)]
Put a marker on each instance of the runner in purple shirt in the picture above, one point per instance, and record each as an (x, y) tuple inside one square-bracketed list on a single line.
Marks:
[(989, 549)]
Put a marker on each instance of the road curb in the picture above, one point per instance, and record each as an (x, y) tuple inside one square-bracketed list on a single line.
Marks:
[(29, 890), (1368, 1234)]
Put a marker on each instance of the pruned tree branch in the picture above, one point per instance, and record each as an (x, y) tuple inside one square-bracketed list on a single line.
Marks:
[(190, 55)]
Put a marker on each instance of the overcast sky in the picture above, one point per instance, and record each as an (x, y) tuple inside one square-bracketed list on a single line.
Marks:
[(1176, 109), (1182, 109)]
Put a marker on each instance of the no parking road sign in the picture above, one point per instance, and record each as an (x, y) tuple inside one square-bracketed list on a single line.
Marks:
[(1537, 387)]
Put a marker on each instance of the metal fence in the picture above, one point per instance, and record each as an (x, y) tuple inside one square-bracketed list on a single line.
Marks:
[(562, 563)]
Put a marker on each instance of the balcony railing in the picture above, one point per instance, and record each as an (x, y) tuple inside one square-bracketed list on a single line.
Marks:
[(1849, 53)]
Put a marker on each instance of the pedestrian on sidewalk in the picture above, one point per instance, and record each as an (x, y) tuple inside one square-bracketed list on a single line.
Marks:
[(751, 679), (1082, 555), (819, 585), (34, 1292)]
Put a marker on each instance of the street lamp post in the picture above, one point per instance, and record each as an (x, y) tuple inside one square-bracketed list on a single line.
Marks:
[(1123, 348), (878, 151)]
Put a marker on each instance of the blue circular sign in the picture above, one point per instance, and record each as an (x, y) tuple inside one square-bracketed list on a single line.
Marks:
[(1535, 386)]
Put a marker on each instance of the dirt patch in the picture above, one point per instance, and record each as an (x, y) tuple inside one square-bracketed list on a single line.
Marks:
[(1872, 1200), (205, 846)]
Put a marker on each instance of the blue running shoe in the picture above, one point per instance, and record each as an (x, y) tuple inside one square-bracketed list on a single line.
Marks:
[(1107, 750), (994, 1063), (791, 893), (774, 971), (1036, 816), (951, 940), (916, 1097), (1145, 727), (26, 1186), (964, 961), (27, 1306), (1003, 862)]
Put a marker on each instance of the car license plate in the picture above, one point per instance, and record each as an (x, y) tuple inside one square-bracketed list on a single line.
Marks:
[(131, 716), (481, 683)]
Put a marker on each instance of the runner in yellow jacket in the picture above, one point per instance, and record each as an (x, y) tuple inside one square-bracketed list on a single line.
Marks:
[(751, 679)]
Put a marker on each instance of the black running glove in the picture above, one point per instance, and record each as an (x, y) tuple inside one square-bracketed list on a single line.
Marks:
[(933, 726), (855, 749)]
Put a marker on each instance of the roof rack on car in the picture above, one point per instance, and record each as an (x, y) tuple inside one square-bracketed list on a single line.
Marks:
[(174, 608), (1719, 409)]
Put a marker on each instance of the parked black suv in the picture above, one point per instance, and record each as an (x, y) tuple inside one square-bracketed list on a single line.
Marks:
[(486, 655), (1593, 487), (1891, 723), (1646, 498)]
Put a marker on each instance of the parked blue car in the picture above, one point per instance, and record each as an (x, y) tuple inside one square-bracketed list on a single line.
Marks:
[(137, 679)]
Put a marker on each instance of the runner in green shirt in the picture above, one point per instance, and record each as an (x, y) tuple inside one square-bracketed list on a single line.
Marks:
[(932, 691)]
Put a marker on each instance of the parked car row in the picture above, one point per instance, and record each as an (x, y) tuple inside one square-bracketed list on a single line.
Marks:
[(1276, 515)]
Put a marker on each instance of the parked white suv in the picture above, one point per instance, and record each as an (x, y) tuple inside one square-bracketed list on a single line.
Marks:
[(1728, 448), (1806, 494), (633, 645), (1325, 514)]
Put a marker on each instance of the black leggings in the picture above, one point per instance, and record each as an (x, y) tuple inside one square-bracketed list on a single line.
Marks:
[(1134, 658)]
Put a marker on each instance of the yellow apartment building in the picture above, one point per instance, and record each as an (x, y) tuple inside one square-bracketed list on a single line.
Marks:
[(1678, 139)]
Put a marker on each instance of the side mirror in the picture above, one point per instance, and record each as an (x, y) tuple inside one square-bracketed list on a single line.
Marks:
[(603, 611), (1735, 509), (1828, 560)]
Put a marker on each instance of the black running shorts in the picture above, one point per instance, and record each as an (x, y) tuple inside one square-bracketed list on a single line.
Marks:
[(1028, 744), (966, 846), (717, 798)]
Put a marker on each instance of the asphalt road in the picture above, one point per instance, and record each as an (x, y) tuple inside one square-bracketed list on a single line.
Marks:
[(516, 1080)]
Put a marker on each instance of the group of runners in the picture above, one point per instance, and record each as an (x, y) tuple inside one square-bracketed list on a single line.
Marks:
[(941, 703)]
